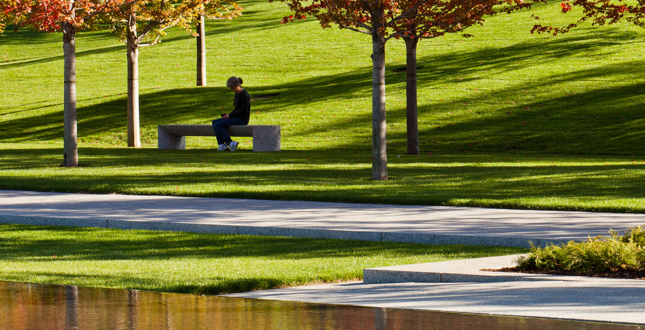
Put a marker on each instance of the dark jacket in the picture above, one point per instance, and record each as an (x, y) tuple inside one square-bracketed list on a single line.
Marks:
[(242, 104)]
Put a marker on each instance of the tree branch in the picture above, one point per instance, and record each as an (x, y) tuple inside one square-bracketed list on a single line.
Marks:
[(98, 12), (339, 21)]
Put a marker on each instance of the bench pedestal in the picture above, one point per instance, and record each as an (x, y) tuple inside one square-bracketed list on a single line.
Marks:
[(166, 140), (265, 137)]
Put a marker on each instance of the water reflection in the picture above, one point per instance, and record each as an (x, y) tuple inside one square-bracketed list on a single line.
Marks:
[(71, 307), (29, 306)]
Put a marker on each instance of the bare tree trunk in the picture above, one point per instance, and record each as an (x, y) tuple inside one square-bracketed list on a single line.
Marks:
[(379, 128), (134, 139), (70, 139), (411, 95), (201, 52)]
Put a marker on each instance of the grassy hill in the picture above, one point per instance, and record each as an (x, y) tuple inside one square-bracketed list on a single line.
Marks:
[(507, 119)]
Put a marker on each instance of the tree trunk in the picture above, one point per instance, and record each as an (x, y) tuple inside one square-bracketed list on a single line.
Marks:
[(411, 95), (201, 52), (70, 139), (134, 139), (379, 128)]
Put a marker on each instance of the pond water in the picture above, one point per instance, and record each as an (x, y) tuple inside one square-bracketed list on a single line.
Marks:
[(30, 306)]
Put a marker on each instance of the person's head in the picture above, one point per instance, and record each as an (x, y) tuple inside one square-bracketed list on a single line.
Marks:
[(234, 83)]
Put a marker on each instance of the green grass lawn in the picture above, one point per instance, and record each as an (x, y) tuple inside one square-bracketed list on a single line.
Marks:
[(511, 180), (507, 119), (199, 263)]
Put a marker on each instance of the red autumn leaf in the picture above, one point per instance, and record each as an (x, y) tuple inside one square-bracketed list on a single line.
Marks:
[(565, 7)]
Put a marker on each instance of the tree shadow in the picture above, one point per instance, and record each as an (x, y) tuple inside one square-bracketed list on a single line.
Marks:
[(23, 36), (89, 244), (604, 120), (47, 59), (432, 180), (84, 244), (517, 56)]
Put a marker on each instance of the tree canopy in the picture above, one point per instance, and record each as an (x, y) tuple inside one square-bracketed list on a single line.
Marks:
[(51, 15), (155, 16), (421, 18)]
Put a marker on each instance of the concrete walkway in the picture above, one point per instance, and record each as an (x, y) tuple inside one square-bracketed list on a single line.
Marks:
[(606, 300), (462, 286), (398, 223)]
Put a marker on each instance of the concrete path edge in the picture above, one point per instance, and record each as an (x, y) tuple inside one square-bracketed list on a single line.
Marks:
[(399, 237), (465, 270)]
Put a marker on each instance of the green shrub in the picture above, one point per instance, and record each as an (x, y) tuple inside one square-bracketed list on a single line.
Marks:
[(600, 254), (634, 235)]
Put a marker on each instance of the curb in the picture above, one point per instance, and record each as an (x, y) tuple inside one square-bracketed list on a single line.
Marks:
[(398, 237), (468, 270)]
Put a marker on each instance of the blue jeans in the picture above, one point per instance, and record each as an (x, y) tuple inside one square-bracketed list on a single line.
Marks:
[(220, 125)]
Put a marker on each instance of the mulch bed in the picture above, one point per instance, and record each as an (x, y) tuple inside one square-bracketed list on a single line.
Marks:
[(638, 275)]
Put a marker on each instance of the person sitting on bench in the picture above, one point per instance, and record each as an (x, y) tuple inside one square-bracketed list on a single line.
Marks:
[(239, 116)]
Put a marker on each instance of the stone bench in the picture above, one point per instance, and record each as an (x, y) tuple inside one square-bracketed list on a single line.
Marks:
[(265, 137)]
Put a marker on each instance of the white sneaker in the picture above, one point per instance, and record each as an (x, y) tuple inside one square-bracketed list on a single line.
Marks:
[(222, 147), (233, 145)]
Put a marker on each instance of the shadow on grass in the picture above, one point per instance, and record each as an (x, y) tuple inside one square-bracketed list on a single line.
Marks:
[(603, 121), (333, 176), (516, 56), (71, 243), (28, 37), (214, 28), (20, 36)]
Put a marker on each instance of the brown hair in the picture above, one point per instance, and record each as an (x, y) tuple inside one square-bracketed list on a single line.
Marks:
[(234, 81)]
